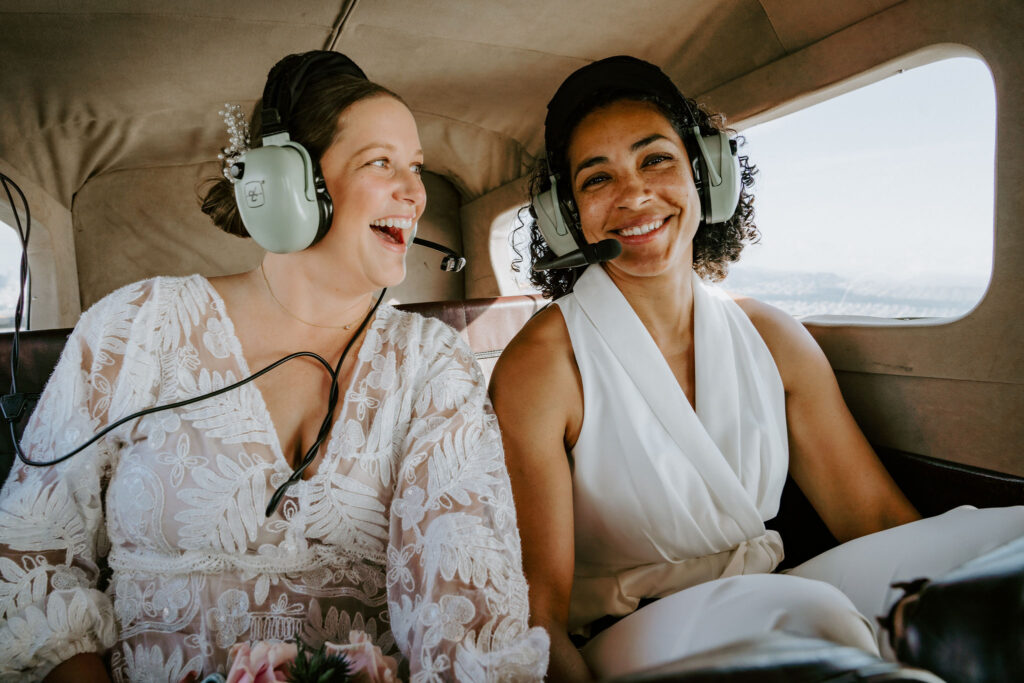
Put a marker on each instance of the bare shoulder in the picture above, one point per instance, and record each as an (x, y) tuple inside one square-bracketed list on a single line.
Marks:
[(536, 380), (230, 287), (774, 324), (540, 348), (791, 345)]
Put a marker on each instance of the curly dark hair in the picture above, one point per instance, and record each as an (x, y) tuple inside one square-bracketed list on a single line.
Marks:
[(714, 246)]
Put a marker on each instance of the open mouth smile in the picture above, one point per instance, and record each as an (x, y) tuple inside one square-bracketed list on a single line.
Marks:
[(392, 230), (642, 232)]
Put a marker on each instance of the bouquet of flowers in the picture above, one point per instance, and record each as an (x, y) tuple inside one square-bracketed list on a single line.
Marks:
[(358, 661)]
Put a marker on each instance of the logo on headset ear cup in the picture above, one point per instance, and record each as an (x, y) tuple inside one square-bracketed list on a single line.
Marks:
[(282, 198), (716, 170)]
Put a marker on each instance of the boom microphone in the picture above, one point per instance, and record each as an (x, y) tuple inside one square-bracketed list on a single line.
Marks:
[(605, 250), (451, 262)]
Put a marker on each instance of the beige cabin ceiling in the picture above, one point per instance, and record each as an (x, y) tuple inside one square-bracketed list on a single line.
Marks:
[(90, 87)]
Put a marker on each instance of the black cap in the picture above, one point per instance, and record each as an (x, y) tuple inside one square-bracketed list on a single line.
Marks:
[(606, 78)]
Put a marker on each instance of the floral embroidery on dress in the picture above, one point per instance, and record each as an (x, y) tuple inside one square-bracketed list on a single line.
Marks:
[(406, 532), (230, 618), (143, 664)]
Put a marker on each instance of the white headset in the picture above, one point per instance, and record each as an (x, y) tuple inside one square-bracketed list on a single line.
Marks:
[(716, 172), (716, 166), (280, 191)]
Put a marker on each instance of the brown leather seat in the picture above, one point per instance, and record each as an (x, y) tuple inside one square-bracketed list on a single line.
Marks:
[(37, 356), (486, 324)]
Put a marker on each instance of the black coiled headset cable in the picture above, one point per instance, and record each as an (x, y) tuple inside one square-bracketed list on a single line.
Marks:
[(13, 404)]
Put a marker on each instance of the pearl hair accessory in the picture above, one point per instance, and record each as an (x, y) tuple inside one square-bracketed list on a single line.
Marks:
[(238, 132)]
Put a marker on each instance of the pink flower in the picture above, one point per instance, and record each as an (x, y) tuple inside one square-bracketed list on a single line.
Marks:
[(367, 664), (265, 662)]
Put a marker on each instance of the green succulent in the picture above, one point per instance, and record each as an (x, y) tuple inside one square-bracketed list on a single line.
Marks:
[(317, 666)]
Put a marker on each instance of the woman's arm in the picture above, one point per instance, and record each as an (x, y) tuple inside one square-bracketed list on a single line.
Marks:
[(51, 518), (830, 459), (456, 591), (86, 667), (539, 402)]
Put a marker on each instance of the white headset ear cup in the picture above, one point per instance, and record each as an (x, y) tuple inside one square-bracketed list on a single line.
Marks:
[(552, 223), (277, 198), (719, 199)]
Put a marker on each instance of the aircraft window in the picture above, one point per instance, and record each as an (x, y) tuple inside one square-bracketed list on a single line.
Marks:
[(878, 202), (10, 263)]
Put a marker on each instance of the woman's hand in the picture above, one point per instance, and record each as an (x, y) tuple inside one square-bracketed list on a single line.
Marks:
[(85, 667)]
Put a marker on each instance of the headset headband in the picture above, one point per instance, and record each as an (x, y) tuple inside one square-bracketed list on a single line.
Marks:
[(287, 81), (621, 74)]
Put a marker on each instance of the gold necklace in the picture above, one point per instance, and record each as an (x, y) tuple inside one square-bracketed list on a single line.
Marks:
[(306, 322)]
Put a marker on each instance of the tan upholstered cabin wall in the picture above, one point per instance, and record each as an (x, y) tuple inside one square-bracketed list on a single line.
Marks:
[(139, 223), (104, 85), (51, 253), (133, 85), (953, 390), (137, 84), (483, 236)]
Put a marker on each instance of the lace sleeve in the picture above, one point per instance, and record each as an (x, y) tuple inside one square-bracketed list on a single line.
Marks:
[(456, 590), (52, 537)]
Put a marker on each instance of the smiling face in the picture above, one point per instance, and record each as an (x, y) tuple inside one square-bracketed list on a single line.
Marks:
[(631, 180), (372, 171)]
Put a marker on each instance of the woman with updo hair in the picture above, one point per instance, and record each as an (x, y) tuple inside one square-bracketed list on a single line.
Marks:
[(359, 496), (650, 419)]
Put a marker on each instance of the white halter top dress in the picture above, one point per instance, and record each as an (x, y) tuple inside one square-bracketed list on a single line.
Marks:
[(665, 497)]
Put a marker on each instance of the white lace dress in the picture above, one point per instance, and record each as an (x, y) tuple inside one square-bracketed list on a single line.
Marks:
[(407, 531)]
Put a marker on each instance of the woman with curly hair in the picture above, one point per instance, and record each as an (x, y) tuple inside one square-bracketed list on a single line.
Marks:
[(650, 419)]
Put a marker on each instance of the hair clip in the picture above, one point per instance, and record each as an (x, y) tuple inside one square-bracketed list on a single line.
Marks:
[(238, 138)]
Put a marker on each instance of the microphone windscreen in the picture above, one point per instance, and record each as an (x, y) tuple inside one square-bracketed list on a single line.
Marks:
[(605, 250)]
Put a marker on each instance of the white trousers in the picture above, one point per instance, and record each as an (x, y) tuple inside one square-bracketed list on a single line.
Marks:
[(835, 596)]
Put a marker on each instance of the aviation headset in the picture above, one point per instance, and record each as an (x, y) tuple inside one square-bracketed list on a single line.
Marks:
[(280, 191), (716, 168)]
